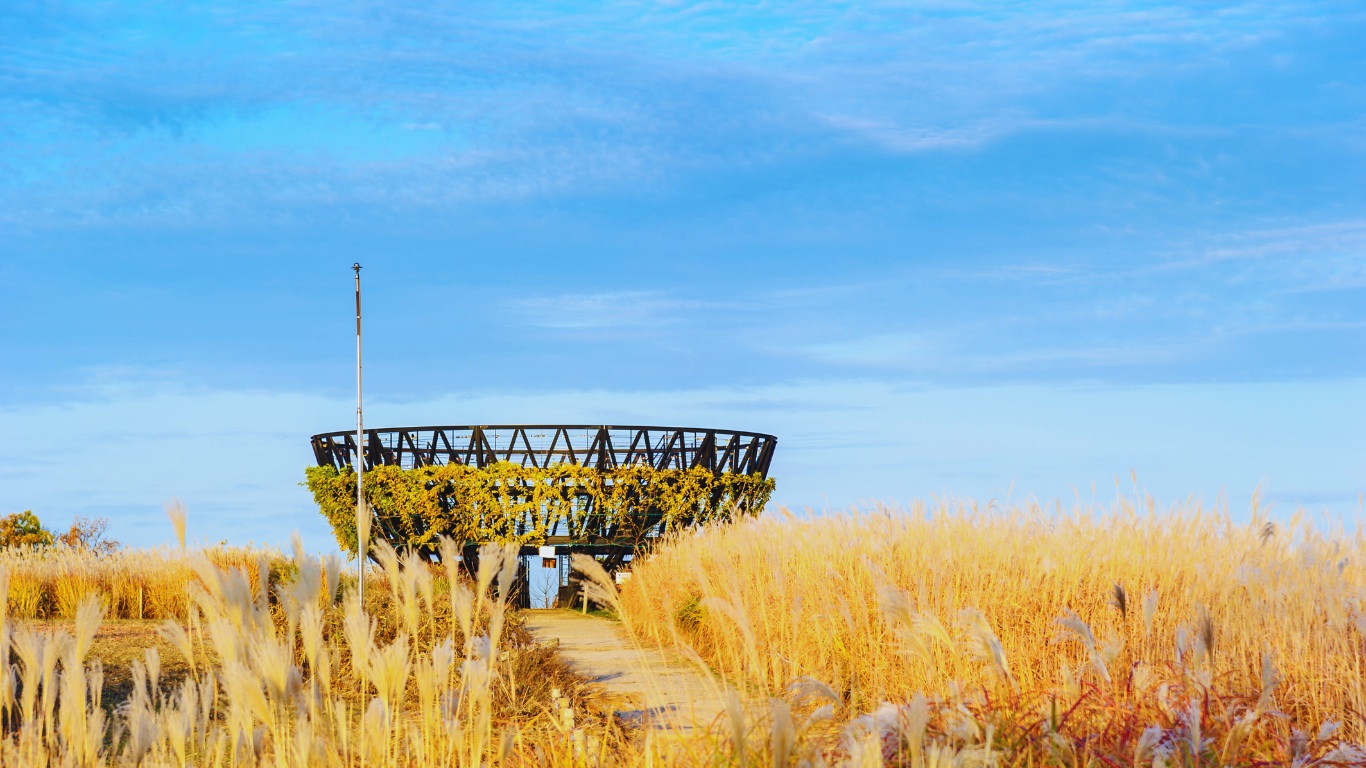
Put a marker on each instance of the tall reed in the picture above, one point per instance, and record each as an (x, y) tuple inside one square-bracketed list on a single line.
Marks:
[(288, 669), (951, 635), (150, 583), (1025, 608)]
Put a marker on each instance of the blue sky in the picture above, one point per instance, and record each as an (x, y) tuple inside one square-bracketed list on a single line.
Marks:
[(940, 249)]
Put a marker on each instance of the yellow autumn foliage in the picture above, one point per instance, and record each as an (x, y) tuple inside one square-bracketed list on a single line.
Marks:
[(510, 503)]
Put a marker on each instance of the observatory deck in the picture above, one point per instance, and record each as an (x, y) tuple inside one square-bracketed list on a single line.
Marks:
[(579, 524)]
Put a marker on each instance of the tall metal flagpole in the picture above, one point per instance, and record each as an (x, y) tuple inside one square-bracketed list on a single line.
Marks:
[(360, 456)]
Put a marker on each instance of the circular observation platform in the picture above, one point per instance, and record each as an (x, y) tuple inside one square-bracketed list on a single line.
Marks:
[(723, 453)]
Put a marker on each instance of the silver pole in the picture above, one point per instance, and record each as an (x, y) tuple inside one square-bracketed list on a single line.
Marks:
[(361, 512), (360, 452)]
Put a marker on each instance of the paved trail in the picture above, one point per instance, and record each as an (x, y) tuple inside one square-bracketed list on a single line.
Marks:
[(668, 691)]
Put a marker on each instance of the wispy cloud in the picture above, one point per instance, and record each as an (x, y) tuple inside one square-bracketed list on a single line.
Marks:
[(910, 139), (903, 351), (621, 310), (932, 357), (158, 104)]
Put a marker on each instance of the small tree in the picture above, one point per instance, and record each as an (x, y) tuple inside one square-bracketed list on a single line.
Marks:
[(89, 533), (23, 529)]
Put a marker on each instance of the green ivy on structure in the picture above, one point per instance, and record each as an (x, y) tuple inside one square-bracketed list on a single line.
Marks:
[(507, 502)]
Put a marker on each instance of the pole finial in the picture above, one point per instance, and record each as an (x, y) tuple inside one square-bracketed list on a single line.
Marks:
[(356, 267)]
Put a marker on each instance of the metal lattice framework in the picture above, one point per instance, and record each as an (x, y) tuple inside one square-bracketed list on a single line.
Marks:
[(542, 445)]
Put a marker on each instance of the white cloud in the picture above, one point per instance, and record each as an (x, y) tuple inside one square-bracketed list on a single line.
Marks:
[(611, 309), (880, 350)]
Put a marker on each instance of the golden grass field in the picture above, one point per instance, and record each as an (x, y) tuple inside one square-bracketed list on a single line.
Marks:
[(1133, 636), (936, 636)]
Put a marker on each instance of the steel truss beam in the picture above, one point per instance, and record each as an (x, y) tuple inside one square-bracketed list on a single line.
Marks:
[(540, 445)]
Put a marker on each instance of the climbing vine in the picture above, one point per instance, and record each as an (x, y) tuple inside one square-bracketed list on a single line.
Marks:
[(507, 502)]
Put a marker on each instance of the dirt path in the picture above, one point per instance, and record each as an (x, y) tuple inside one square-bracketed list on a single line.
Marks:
[(669, 692)]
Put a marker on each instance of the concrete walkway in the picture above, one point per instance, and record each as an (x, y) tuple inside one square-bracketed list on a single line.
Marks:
[(667, 691)]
